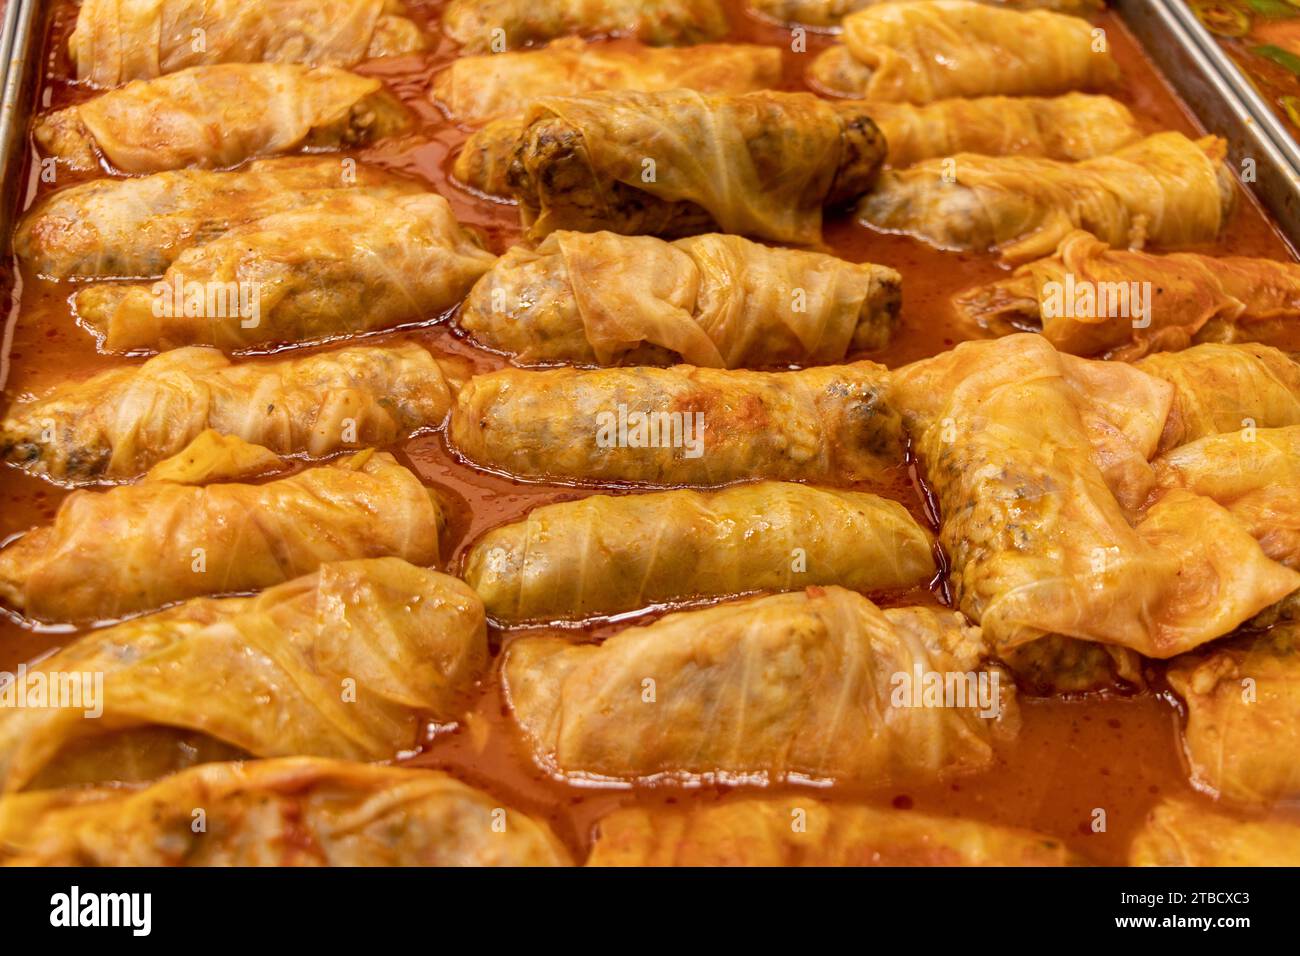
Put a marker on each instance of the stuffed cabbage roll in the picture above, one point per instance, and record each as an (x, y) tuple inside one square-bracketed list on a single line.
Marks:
[(350, 262), (1054, 665), (828, 13), (137, 547), (1072, 127), (713, 300), (800, 831), (1039, 463), (296, 811), (922, 52), (680, 162), (347, 662), (1242, 697), (219, 116), (476, 89), (120, 40), (136, 228), (682, 425), (1090, 299), (1166, 190), (482, 26), (1255, 474), (121, 422), (1226, 388), (1181, 832), (604, 555), (811, 684)]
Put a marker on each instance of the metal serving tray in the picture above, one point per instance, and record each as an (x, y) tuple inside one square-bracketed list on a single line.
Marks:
[(1203, 76), (1224, 101)]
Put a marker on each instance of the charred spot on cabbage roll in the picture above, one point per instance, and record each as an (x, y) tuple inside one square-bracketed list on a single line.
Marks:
[(136, 228), (297, 811), (799, 831), (261, 109), (138, 547), (120, 40), (492, 25), (712, 300), (121, 422), (1167, 190), (922, 52), (819, 684), (679, 162), (682, 425), (605, 555), (349, 662), (350, 262)]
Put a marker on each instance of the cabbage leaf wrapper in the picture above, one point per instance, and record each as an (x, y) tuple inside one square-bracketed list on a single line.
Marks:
[(120, 423), (135, 228), (297, 811), (713, 301), (348, 662), (759, 831), (1041, 465), (120, 40), (682, 425), (138, 547), (477, 25), (922, 52), (1166, 190), (813, 684), (215, 117), (679, 162), (604, 555), (347, 263)]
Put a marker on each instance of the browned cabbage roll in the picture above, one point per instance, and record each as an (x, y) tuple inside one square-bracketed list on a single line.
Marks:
[(1072, 127), (297, 811), (680, 162), (121, 422), (828, 13), (1182, 832), (1090, 299), (348, 662), (1040, 464), (819, 684), (136, 228), (604, 555), (482, 26), (219, 116), (476, 89), (800, 831), (682, 425), (1242, 697), (713, 300), (1226, 388), (350, 262), (922, 52), (1254, 473), (120, 40), (1166, 189), (138, 547)]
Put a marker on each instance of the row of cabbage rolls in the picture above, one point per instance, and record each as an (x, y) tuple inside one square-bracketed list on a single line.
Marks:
[(1095, 514)]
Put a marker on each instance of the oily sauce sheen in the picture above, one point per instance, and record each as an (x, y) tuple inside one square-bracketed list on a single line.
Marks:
[(1111, 751)]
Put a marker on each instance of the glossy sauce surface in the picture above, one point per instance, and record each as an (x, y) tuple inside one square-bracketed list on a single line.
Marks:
[(1116, 752)]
